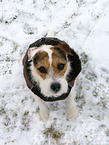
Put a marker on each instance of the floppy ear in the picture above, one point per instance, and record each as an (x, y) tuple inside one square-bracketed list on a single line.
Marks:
[(65, 47), (31, 52), (75, 64)]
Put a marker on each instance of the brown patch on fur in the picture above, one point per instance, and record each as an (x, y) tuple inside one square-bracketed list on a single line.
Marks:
[(41, 59), (58, 57), (64, 47)]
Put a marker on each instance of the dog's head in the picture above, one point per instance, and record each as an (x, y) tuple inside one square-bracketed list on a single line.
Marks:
[(53, 67)]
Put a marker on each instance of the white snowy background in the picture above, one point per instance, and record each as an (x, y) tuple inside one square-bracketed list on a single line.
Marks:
[(84, 25)]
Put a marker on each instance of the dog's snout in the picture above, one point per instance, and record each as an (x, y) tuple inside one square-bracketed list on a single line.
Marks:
[(55, 87)]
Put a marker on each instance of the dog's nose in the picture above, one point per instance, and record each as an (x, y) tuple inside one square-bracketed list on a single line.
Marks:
[(55, 87)]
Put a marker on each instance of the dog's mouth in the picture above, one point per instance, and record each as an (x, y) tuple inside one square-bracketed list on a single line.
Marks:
[(54, 97), (54, 88)]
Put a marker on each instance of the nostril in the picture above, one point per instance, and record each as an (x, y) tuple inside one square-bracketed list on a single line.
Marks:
[(55, 87)]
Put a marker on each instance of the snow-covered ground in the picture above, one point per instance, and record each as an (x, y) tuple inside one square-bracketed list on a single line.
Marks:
[(84, 24)]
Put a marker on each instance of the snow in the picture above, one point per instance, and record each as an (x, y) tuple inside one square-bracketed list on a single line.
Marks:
[(84, 24)]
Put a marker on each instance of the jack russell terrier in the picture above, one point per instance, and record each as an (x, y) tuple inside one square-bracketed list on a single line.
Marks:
[(50, 70)]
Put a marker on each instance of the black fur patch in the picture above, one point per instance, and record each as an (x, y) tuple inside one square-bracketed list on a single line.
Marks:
[(75, 66), (45, 40)]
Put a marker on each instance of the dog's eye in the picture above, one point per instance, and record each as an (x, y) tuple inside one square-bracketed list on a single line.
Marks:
[(42, 69), (60, 66)]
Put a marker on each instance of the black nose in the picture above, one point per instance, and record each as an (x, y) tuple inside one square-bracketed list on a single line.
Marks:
[(55, 87)]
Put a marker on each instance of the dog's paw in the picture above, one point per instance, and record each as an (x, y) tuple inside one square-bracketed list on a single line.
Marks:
[(44, 114), (73, 114)]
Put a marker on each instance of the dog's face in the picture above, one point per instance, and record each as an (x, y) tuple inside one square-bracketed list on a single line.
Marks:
[(49, 68)]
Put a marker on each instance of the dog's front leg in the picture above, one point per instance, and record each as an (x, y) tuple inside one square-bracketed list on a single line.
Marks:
[(44, 111), (72, 110)]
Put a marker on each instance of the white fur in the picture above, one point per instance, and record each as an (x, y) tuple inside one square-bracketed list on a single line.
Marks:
[(32, 51), (47, 49), (71, 108), (34, 73), (45, 84), (45, 89), (50, 33), (44, 111)]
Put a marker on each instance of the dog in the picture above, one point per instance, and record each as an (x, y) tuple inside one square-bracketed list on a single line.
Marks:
[(50, 70)]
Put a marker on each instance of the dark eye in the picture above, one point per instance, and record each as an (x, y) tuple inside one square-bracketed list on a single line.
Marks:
[(61, 66), (42, 70)]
